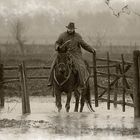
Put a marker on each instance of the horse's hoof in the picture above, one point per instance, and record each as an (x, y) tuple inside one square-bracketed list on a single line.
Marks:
[(75, 110), (67, 110)]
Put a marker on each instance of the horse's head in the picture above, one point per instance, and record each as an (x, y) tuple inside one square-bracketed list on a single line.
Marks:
[(63, 63), (62, 68)]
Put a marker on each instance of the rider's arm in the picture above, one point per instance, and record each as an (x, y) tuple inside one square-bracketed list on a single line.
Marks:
[(59, 42), (85, 46)]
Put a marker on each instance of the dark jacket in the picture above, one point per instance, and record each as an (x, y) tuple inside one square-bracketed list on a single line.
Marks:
[(76, 42)]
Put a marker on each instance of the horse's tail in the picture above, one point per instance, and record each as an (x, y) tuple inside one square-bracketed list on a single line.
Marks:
[(88, 97)]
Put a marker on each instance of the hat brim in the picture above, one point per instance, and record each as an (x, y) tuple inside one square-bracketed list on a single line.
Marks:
[(70, 28)]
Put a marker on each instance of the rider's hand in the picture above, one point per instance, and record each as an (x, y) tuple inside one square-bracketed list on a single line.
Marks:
[(93, 51), (57, 47)]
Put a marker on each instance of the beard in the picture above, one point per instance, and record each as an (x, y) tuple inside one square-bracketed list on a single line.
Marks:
[(70, 32)]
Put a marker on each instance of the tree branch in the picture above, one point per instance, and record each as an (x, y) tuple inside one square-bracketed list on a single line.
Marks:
[(17, 31), (124, 10)]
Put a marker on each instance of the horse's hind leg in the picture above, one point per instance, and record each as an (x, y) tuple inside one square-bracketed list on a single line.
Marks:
[(58, 100), (67, 106), (132, 97), (82, 101), (77, 96)]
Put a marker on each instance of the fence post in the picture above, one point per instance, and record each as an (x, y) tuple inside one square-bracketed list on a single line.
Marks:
[(136, 84), (123, 80), (116, 86), (108, 70), (25, 96), (95, 80), (1, 85)]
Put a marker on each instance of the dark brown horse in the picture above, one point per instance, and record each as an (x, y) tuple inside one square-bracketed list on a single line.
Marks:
[(65, 79)]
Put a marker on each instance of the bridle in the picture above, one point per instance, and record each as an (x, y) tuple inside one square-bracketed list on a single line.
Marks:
[(67, 77)]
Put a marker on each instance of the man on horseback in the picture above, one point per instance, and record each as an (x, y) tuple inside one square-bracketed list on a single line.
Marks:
[(73, 41)]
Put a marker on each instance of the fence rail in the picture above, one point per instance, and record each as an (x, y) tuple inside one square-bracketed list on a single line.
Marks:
[(115, 61)]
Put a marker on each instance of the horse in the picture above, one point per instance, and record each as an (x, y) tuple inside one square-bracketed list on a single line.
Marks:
[(65, 79)]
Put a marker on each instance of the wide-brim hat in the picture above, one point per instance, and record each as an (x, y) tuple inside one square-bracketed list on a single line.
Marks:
[(71, 25)]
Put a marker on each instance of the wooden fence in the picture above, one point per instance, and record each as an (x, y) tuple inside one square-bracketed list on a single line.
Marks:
[(22, 78), (121, 67)]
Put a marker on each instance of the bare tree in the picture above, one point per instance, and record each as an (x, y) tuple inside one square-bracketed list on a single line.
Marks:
[(99, 40), (18, 29)]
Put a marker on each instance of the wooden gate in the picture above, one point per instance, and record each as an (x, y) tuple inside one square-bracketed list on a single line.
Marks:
[(112, 78)]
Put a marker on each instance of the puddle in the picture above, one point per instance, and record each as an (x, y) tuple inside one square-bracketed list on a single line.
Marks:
[(45, 122)]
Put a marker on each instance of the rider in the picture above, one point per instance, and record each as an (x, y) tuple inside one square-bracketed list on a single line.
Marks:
[(74, 42)]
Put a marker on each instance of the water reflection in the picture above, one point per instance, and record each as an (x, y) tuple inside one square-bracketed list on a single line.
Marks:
[(70, 124)]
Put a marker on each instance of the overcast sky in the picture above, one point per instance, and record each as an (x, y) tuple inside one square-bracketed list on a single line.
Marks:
[(49, 17)]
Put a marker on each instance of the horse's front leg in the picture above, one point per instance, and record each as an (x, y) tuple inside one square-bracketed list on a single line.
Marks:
[(58, 99), (67, 106), (77, 97)]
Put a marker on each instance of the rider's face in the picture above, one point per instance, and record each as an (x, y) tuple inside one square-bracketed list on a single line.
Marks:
[(70, 31)]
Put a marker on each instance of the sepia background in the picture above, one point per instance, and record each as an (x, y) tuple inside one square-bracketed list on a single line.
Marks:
[(44, 20), (28, 31)]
